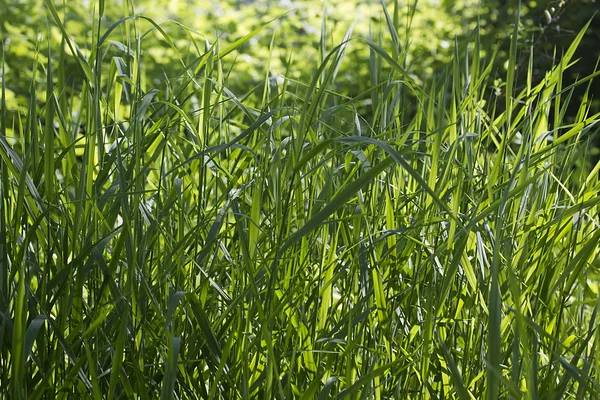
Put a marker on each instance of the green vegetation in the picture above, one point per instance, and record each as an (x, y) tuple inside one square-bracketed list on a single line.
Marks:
[(176, 230)]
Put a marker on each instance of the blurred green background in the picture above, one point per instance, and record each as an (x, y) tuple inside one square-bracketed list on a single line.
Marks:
[(547, 28)]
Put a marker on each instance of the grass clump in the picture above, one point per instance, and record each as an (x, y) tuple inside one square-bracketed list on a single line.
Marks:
[(186, 241)]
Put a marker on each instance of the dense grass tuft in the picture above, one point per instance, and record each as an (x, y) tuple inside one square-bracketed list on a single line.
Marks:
[(184, 241)]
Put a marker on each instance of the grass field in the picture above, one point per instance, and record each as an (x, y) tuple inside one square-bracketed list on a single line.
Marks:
[(183, 241)]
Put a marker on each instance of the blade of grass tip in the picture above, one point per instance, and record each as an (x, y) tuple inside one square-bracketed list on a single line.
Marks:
[(31, 134), (81, 61), (392, 29), (173, 303), (32, 332), (393, 63), (204, 119), (264, 104), (244, 39), (323, 39), (475, 61), (49, 134), (512, 64), (509, 101), (324, 393), (374, 64), (342, 50), (95, 59), (314, 97), (553, 78)]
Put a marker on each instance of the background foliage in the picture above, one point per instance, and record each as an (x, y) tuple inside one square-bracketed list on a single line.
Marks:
[(435, 24)]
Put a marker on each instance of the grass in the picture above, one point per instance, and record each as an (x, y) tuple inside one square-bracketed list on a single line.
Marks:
[(184, 241)]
